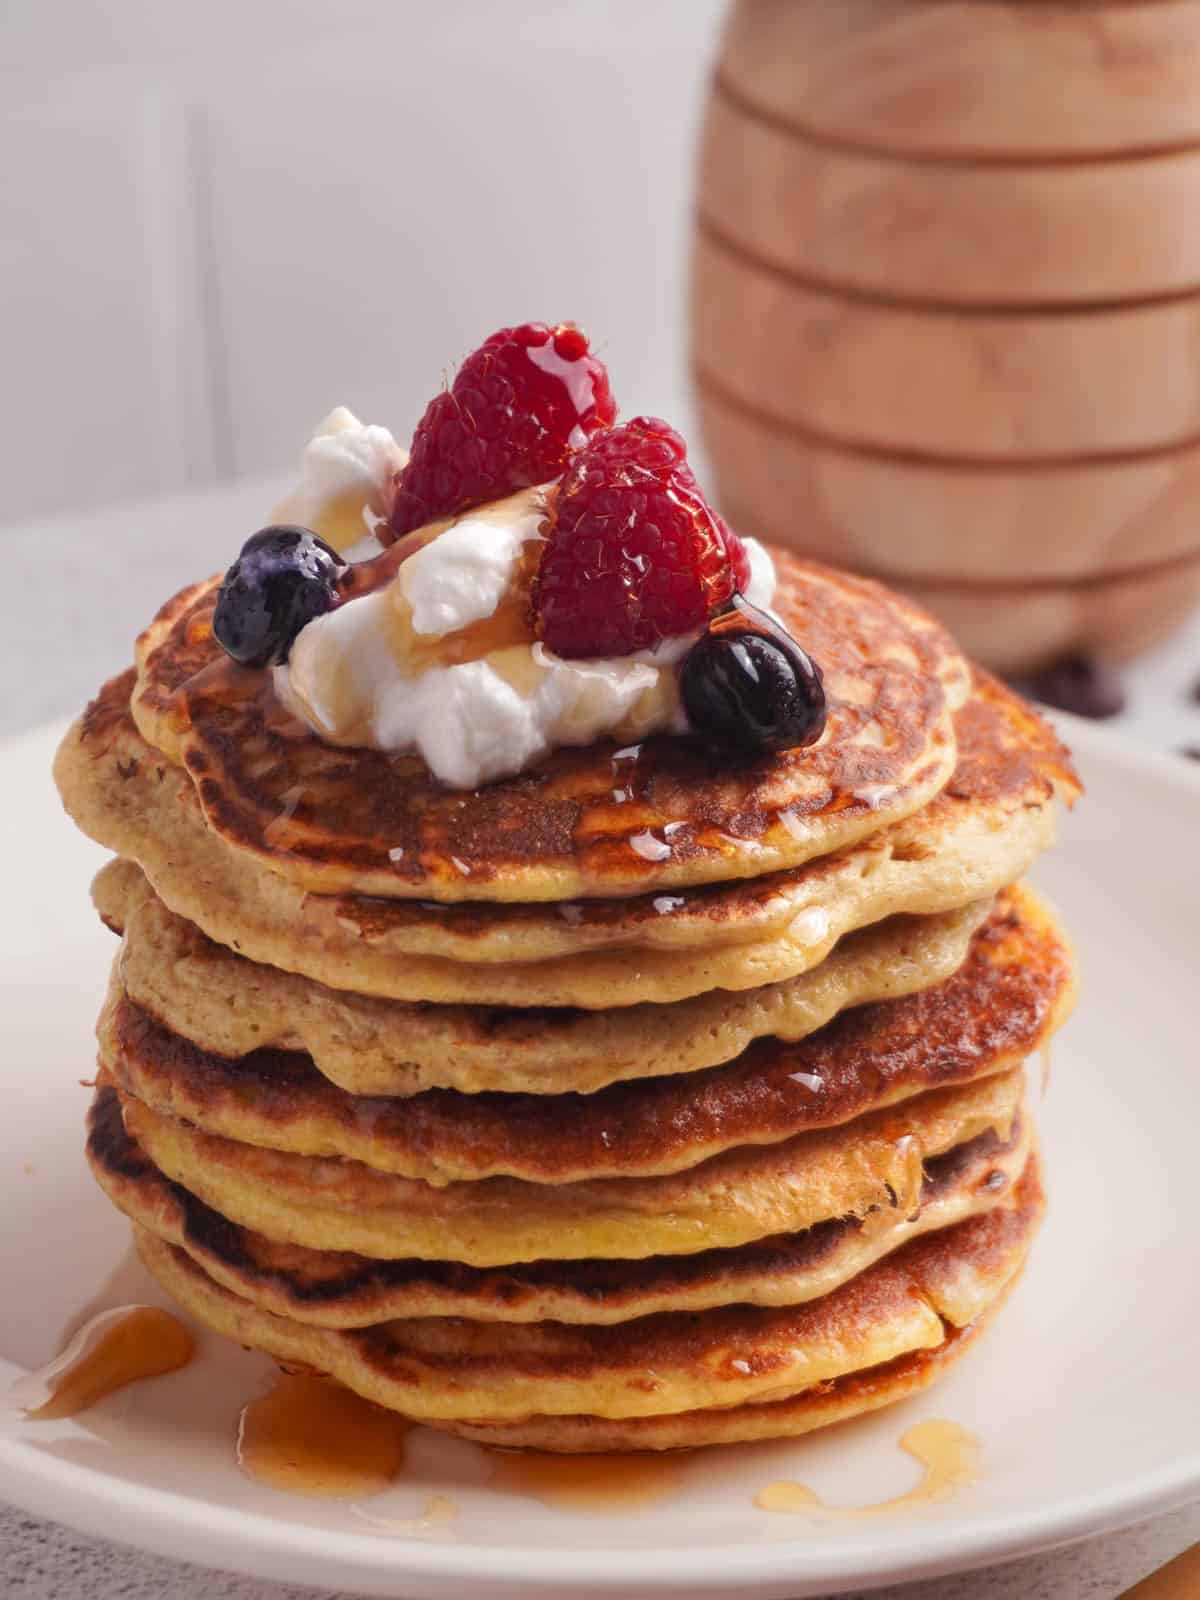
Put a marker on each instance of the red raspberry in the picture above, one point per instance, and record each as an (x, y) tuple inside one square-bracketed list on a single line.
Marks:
[(517, 407), (635, 553)]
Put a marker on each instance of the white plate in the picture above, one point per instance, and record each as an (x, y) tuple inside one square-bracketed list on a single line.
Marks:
[(1086, 1394)]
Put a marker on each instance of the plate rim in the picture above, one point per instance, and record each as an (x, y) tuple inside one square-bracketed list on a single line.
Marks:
[(311, 1554)]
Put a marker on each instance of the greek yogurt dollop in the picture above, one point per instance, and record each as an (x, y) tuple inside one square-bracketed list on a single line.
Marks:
[(439, 661), (345, 483)]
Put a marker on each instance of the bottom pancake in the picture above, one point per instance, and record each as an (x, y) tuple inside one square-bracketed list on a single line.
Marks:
[(337, 1289), (478, 1373), (854, 1395)]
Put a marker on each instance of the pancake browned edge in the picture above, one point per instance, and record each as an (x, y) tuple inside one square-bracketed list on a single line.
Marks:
[(367, 1046), (336, 1289), (854, 1395), (1004, 1003), (981, 833), (742, 1195), (475, 1373), (334, 820)]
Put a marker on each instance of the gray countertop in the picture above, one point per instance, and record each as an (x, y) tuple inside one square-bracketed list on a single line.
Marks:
[(79, 587)]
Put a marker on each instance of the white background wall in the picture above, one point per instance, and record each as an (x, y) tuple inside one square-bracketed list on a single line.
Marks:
[(219, 220)]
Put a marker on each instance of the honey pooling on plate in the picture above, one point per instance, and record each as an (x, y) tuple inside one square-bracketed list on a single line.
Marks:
[(312, 1437), (113, 1350)]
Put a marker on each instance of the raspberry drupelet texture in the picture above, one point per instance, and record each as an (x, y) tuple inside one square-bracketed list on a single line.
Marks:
[(516, 409), (635, 553)]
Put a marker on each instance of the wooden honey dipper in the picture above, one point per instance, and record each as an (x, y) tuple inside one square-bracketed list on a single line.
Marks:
[(946, 306)]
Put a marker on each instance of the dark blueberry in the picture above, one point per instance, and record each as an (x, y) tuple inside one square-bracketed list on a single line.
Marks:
[(283, 578), (1081, 684), (747, 685)]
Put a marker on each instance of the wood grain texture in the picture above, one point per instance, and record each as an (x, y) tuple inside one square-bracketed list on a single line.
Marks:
[(1060, 235), (1178, 1580), (1027, 627), (946, 305), (928, 519), (967, 384), (972, 79)]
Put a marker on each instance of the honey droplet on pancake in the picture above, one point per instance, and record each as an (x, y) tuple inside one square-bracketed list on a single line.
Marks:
[(948, 1454), (906, 1192), (113, 1350), (623, 1481), (312, 1437)]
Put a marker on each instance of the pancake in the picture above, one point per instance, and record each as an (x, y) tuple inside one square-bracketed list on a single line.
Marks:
[(856, 1394), (981, 1251), (232, 1006), (333, 820), (994, 818), (454, 1369), (745, 1194), (340, 1290), (1014, 989)]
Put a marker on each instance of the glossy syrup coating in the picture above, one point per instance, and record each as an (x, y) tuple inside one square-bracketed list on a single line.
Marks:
[(634, 553), (379, 824), (747, 685), (516, 409), (283, 578)]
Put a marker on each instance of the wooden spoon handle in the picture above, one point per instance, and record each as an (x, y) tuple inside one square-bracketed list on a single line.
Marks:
[(1178, 1580)]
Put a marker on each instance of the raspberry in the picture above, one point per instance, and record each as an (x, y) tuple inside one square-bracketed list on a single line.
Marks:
[(517, 407), (635, 554)]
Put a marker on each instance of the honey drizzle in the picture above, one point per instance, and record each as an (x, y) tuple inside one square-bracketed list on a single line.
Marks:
[(312, 1437), (907, 1196), (113, 1350), (948, 1454), (625, 1481)]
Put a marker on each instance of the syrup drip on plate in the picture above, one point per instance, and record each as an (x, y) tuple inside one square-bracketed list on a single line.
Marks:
[(948, 1454), (312, 1437), (433, 1523), (625, 1481), (114, 1349)]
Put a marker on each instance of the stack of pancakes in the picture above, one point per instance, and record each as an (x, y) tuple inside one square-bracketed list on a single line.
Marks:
[(647, 1099)]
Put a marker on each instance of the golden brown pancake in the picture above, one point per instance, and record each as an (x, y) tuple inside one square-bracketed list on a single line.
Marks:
[(984, 830), (856, 1394), (1014, 989), (367, 1046), (453, 1369), (152, 816), (336, 1289), (745, 1194), (334, 820)]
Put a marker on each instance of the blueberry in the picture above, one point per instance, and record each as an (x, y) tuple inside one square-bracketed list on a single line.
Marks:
[(747, 686), (283, 578)]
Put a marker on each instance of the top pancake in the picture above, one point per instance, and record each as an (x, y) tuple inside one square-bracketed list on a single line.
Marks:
[(981, 832), (588, 822)]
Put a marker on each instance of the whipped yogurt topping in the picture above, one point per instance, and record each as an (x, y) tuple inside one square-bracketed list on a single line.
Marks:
[(373, 672), (462, 576), (345, 483)]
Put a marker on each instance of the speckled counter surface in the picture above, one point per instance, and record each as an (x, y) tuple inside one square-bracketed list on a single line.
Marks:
[(69, 564)]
